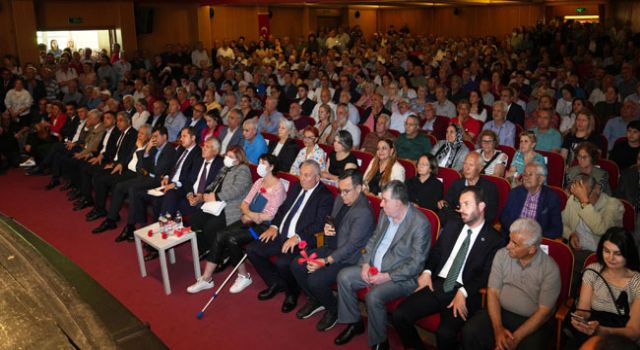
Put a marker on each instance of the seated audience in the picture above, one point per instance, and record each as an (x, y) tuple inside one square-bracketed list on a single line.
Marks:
[(470, 177), (589, 213), (341, 158), (583, 130), (310, 151), (425, 189), (494, 161), (435, 125), (617, 126), (504, 128), (325, 123), (298, 219), (254, 143), (257, 209), (174, 120), (295, 115), (470, 127), (270, 117), (456, 268), (629, 187), (450, 152), (522, 290), (524, 155), (388, 270), (383, 168), (231, 185), (370, 143), (533, 200), (624, 152), (213, 127), (411, 144), (588, 155), (286, 149), (231, 135), (548, 138), (608, 303), (346, 232)]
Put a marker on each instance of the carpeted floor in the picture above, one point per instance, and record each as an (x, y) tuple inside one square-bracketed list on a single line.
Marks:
[(232, 322)]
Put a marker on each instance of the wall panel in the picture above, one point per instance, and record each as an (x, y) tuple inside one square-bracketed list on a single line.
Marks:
[(286, 21), (231, 22), (172, 24)]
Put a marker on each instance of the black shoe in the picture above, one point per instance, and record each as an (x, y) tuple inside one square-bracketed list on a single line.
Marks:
[(66, 186), (36, 170), (270, 292), (382, 346), (52, 184), (127, 232), (351, 331), (74, 194), (95, 215), (106, 225), (81, 204), (290, 303), (327, 321), (151, 255), (309, 309)]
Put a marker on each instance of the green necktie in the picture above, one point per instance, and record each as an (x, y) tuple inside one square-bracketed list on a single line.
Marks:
[(454, 271)]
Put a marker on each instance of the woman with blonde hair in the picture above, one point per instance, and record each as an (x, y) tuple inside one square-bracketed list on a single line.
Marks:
[(581, 131)]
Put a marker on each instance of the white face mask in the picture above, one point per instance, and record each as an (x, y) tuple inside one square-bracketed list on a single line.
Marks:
[(262, 170), (229, 162)]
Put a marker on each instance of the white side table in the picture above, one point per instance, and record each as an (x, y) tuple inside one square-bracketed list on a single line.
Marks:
[(162, 245)]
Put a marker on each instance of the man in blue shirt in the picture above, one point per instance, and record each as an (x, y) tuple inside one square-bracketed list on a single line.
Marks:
[(617, 127), (175, 120), (254, 144), (548, 138), (270, 118)]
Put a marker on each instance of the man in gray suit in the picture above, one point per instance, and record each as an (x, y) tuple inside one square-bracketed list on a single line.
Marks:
[(346, 231), (231, 134), (394, 256)]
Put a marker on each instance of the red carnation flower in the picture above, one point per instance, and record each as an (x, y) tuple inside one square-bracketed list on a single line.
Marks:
[(150, 233), (373, 271), (164, 235), (263, 190), (302, 245)]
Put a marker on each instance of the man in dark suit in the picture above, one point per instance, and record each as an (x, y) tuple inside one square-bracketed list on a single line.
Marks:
[(533, 200), (96, 163), (515, 113), (116, 170), (173, 181), (458, 266), (158, 116), (303, 100), (344, 236), (470, 177), (153, 162), (299, 218), (231, 135), (393, 257), (197, 121)]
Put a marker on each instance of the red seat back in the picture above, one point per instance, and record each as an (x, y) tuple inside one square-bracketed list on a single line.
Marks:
[(363, 132), (395, 133), (409, 168), (288, 180), (434, 220), (310, 120), (614, 171), (334, 190), (364, 158), (328, 149), (563, 256), (375, 205), (447, 176), (469, 145), (254, 172), (629, 216), (509, 151), (555, 168), (503, 191), (562, 194), (270, 137)]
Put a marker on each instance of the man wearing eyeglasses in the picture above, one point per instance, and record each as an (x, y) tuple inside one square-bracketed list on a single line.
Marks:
[(197, 120), (346, 232)]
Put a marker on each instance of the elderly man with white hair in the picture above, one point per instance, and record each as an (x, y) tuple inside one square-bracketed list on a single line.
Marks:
[(523, 288)]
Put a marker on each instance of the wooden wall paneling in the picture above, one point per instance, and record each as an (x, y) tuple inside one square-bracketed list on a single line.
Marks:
[(230, 22), (368, 20), (286, 21), (172, 24), (8, 42)]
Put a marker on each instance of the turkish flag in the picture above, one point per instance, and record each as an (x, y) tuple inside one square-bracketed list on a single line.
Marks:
[(263, 25)]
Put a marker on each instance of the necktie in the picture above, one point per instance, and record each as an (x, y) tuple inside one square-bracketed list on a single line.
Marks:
[(454, 271), (179, 164), (292, 212), (202, 183)]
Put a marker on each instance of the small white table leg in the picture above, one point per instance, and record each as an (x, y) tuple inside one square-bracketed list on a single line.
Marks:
[(172, 256), (165, 273), (196, 256), (143, 270)]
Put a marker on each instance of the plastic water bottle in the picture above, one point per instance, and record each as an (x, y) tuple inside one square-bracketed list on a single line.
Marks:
[(178, 220), (162, 222), (170, 225)]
